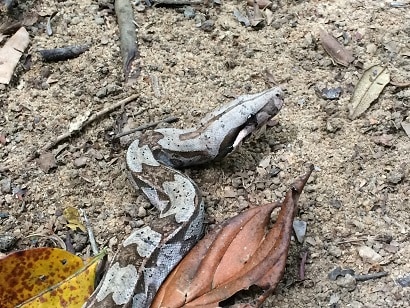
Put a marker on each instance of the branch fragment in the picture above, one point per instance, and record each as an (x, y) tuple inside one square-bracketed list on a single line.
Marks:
[(64, 53)]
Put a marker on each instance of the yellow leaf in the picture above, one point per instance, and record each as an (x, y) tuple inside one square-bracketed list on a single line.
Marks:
[(72, 292), (26, 273), (73, 218)]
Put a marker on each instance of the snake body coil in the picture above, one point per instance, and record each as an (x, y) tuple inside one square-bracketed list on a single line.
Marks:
[(147, 256)]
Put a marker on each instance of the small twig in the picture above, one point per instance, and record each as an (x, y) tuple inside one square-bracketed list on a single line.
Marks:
[(90, 120), (178, 2), (170, 119), (302, 266), (91, 237), (370, 276), (352, 241), (68, 134), (64, 53)]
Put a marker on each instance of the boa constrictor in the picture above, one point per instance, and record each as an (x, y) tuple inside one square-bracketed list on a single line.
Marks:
[(147, 256)]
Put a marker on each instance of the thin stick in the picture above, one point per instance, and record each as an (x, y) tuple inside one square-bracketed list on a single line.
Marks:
[(146, 126), (178, 2), (302, 266), (370, 276), (68, 134), (91, 237), (91, 119)]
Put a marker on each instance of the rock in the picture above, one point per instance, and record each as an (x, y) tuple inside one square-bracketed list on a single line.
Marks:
[(335, 251), (5, 185), (404, 281), (348, 282), (369, 255), (99, 20), (189, 12), (75, 20), (80, 162), (101, 93), (6, 242), (142, 212), (334, 299), (395, 177), (371, 48), (208, 25), (333, 125), (299, 227)]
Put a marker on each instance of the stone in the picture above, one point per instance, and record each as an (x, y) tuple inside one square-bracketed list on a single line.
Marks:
[(5, 185), (299, 227), (348, 282), (335, 251), (369, 255)]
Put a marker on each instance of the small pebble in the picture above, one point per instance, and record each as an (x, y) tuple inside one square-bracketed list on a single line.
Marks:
[(101, 93), (369, 255), (403, 281), (334, 299), (348, 282), (395, 177), (189, 12), (6, 242), (142, 212), (136, 224), (80, 162), (5, 185), (75, 20), (299, 227), (335, 251), (208, 25)]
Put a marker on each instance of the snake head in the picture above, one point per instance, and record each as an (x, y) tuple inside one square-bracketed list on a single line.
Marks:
[(250, 113)]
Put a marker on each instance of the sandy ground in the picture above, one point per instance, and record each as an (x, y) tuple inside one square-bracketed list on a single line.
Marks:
[(360, 196)]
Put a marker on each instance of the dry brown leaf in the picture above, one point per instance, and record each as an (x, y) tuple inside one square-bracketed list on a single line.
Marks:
[(11, 52), (336, 50), (368, 89), (233, 257)]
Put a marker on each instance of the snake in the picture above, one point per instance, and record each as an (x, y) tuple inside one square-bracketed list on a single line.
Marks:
[(148, 254)]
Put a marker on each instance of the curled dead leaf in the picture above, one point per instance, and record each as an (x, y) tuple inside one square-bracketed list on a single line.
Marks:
[(234, 256), (336, 50)]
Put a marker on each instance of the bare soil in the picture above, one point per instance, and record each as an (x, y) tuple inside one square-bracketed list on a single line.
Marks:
[(359, 197)]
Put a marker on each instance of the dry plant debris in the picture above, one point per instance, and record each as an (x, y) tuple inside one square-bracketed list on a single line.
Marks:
[(233, 257), (72, 216), (368, 89), (63, 53), (336, 50), (11, 52)]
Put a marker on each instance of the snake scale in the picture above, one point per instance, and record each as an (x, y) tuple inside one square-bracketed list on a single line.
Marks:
[(147, 256)]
